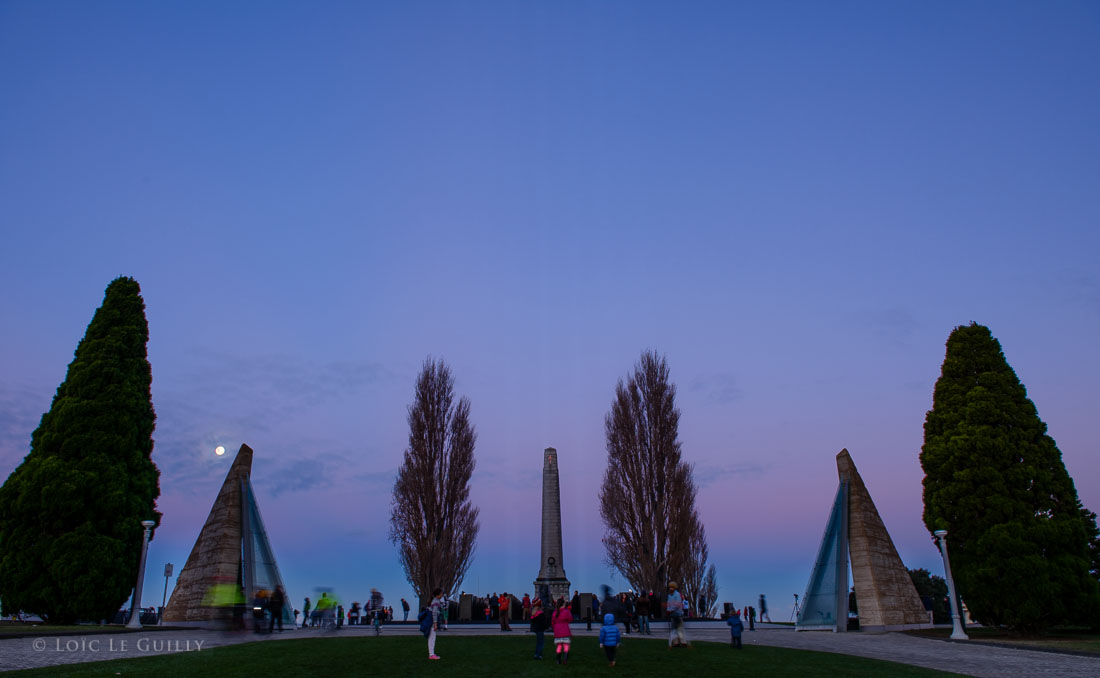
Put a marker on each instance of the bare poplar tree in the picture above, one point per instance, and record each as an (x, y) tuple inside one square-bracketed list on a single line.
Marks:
[(695, 567), (710, 593), (647, 500), (432, 520)]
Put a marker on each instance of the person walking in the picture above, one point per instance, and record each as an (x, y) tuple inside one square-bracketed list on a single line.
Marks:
[(609, 638), (376, 604), (752, 616), (563, 635), (321, 612), (736, 627), (405, 608), (305, 614), (540, 621), (674, 606), (435, 607), (526, 607), (764, 610)]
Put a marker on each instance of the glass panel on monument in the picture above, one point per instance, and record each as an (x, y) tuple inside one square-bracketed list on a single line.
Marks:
[(265, 572), (829, 580)]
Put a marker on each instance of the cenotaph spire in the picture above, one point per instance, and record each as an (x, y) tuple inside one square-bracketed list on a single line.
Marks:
[(551, 579)]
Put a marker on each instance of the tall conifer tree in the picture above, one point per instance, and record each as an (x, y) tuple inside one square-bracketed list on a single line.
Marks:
[(70, 514), (1018, 535)]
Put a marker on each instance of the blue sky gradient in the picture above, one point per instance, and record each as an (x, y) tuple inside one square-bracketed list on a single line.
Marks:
[(794, 201)]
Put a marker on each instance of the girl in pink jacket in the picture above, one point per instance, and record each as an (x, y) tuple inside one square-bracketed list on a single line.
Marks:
[(562, 633)]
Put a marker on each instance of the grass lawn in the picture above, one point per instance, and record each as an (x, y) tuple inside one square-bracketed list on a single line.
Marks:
[(1076, 640), (483, 656)]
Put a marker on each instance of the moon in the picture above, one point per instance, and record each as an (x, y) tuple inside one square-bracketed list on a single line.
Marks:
[(219, 450)]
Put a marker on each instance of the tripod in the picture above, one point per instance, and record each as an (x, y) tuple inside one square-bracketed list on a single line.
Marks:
[(794, 612)]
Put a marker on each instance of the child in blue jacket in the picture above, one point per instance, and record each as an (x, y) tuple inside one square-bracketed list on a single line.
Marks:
[(609, 637), (736, 627)]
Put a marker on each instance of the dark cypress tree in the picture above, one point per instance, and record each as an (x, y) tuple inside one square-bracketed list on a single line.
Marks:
[(1019, 537), (70, 514)]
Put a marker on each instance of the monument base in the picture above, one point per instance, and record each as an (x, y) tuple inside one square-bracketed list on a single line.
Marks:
[(832, 628), (889, 628), (559, 588)]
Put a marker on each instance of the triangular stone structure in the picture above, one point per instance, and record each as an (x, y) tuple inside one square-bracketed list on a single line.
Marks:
[(885, 594), (232, 549)]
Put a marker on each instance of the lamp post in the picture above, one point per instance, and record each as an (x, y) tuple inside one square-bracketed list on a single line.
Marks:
[(164, 600), (957, 632), (135, 612)]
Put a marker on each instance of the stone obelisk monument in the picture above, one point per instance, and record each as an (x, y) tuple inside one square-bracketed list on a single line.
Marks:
[(551, 568)]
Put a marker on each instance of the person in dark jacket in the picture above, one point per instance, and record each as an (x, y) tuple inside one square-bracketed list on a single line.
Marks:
[(275, 605), (609, 638), (736, 627), (540, 622), (625, 610), (643, 614), (610, 602)]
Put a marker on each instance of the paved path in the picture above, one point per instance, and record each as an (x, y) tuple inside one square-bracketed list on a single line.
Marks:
[(965, 658), (959, 657)]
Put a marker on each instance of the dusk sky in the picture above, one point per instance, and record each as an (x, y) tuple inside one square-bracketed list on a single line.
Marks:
[(795, 202)]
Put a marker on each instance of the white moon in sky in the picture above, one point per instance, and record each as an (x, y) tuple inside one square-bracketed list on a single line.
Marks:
[(219, 450)]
